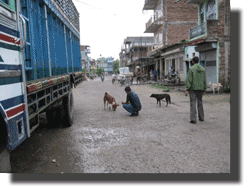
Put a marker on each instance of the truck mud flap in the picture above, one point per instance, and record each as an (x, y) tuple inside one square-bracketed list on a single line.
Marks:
[(5, 166)]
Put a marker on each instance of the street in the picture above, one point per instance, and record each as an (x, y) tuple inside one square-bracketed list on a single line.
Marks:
[(159, 140)]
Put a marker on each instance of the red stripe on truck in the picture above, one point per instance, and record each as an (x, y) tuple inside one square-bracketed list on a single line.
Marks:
[(15, 111), (8, 39)]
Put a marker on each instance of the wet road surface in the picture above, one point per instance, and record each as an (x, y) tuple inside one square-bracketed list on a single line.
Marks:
[(159, 140)]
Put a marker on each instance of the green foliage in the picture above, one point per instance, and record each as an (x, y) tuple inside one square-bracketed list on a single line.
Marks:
[(99, 70), (158, 86), (115, 66)]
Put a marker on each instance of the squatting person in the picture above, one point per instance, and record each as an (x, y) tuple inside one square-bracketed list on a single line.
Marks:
[(132, 104), (196, 85)]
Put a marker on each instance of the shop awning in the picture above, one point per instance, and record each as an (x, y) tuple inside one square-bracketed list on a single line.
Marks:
[(172, 52)]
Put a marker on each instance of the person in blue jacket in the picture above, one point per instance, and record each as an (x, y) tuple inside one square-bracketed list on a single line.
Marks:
[(132, 104), (155, 75)]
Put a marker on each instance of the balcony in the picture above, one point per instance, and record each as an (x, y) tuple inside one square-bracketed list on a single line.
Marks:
[(198, 31), (152, 50), (150, 4), (153, 25), (208, 29)]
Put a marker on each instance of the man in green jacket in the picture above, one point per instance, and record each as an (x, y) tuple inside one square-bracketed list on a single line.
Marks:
[(196, 85)]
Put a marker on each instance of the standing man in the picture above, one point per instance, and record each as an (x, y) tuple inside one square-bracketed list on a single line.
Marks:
[(132, 104), (155, 75), (138, 76), (113, 78), (102, 76), (196, 85)]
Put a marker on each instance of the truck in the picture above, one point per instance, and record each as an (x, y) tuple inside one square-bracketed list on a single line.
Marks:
[(123, 73), (40, 64), (125, 76)]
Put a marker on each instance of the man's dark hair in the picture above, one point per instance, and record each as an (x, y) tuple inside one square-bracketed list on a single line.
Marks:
[(195, 59), (127, 88)]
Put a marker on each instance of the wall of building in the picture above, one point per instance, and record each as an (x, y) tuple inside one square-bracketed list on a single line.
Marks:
[(177, 33), (224, 40), (181, 11), (179, 20)]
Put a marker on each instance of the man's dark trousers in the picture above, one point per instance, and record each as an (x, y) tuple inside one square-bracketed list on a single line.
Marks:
[(196, 94), (155, 76)]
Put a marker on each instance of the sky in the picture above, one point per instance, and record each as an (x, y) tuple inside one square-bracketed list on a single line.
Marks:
[(104, 24)]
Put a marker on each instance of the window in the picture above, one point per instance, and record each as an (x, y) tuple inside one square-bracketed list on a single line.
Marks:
[(159, 11), (160, 38), (202, 12), (211, 10), (181, 63)]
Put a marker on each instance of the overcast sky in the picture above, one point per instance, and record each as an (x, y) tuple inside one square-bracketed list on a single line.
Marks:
[(104, 24)]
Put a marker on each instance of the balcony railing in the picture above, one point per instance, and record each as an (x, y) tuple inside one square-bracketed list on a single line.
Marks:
[(153, 24), (198, 31)]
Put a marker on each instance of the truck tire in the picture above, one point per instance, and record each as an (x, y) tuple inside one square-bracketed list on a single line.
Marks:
[(52, 115), (68, 105)]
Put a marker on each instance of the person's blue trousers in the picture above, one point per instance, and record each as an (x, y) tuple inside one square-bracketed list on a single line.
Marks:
[(129, 108), (155, 78)]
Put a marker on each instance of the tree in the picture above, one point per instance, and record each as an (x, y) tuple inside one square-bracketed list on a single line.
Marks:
[(99, 70), (116, 66)]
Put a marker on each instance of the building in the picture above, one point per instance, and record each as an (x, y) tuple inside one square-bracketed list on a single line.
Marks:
[(212, 38), (102, 62), (136, 49), (170, 24), (109, 68), (122, 62), (85, 59)]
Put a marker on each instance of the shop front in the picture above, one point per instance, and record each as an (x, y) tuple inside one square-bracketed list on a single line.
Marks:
[(209, 60)]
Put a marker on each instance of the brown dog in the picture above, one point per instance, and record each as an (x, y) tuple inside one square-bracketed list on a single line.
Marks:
[(108, 99)]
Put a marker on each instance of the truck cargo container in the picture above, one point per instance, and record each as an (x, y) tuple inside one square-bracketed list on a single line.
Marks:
[(40, 64)]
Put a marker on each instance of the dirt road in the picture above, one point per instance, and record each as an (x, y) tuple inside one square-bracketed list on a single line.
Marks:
[(159, 140)]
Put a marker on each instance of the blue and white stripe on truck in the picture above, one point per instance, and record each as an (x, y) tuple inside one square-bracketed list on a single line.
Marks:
[(12, 105)]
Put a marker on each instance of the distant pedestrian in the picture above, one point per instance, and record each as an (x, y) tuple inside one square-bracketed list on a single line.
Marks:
[(155, 75), (102, 76), (138, 76), (132, 104), (196, 85), (151, 74), (113, 78)]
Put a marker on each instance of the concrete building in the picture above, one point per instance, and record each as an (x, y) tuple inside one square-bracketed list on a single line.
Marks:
[(170, 24), (85, 59), (110, 61), (106, 64), (212, 38), (136, 49), (122, 57)]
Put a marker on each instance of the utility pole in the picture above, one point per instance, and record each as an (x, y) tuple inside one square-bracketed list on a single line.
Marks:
[(141, 57)]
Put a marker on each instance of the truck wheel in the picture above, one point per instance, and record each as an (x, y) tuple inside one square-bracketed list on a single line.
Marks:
[(52, 115), (68, 105)]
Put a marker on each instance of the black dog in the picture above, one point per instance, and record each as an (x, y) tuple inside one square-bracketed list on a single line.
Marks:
[(159, 97)]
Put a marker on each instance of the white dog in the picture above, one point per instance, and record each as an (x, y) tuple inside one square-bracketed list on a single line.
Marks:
[(215, 86)]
